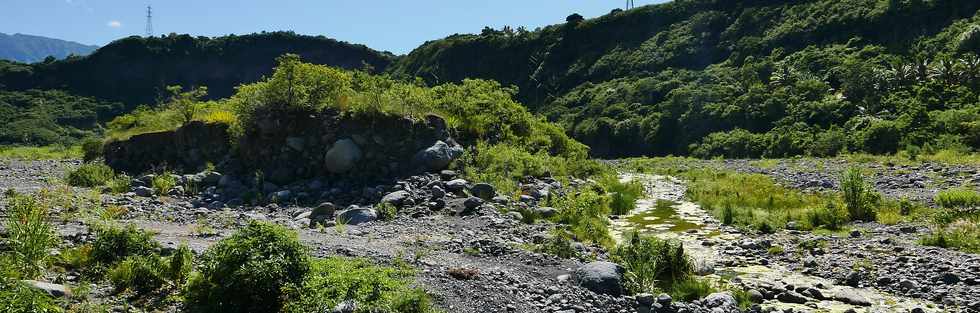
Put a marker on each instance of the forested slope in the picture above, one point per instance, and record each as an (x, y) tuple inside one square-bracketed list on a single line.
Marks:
[(740, 78)]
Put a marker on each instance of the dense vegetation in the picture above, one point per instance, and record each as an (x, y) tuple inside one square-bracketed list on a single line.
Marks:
[(46, 117), (740, 78)]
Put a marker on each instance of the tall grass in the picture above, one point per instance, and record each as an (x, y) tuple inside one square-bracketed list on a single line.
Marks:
[(30, 236), (958, 198), (623, 195), (585, 212), (655, 265), (956, 225), (860, 196)]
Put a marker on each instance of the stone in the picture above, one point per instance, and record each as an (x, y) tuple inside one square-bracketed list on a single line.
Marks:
[(438, 156), (322, 213), (53, 290), (790, 296), (396, 198), (545, 212), (356, 216), (601, 277), (447, 175), (456, 185), (855, 233), (346, 306), (756, 296), (664, 299), (852, 298), (949, 278), (437, 192), (143, 191), (723, 301), (514, 215), (484, 191), (295, 143), (645, 299), (342, 156), (503, 200)]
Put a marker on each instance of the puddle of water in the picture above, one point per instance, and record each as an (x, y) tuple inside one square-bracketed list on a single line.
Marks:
[(662, 217)]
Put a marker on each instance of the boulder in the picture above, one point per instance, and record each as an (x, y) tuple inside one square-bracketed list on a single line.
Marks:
[(601, 277), (484, 191), (438, 156), (456, 185), (356, 216), (721, 300), (545, 212), (143, 191), (53, 290), (322, 213), (852, 299), (790, 296), (342, 156), (396, 198)]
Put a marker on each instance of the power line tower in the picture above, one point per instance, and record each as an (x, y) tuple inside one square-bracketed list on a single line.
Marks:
[(149, 21), (630, 4)]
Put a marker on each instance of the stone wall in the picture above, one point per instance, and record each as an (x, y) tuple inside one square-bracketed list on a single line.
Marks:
[(187, 149)]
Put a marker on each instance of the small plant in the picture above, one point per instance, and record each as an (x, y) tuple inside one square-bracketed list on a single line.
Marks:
[(140, 273), (120, 184), (181, 263), (29, 235), (91, 149), (622, 195), (776, 250), (653, 263), (90, 175), (247, 271), (831, 216), (374, 288), (164, 183), (690, 289), (859, 196), (559, 244), (113, 244), (386, 211)]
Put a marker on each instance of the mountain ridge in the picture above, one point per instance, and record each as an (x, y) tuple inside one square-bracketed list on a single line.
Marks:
[(32, 48)]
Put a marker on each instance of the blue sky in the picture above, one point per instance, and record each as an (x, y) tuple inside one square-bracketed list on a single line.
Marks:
[(394, 25)]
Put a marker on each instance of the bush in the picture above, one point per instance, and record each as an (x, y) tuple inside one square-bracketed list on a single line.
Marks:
[(120, 184), (831, 216), (113, 244), (29, 235), (374, 288), (91, 149), (181, 264), (859, 196), (140, 273), (652, 263), (17, 297), (164, 183), (586, 213), (502, 165), (958, 198), (247, 271), (623, 195), (90, 175), (559, 244)]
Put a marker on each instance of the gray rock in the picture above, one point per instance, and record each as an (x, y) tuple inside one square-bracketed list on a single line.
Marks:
[(143, 191), (53, 290), (322, 214), (346, 306), (396, 198), (500, 200), (438, 156), (295, 143), (852, 299), (437, 192), (456, 185), (645, 299), (855, 233), (545, 212), (756, 296), (472, 203), (601, 277), (484, 191), (723, 301), (514, 215), (790, 296), (356, 216), (342, 156)]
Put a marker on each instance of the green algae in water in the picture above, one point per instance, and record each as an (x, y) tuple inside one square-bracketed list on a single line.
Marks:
[(662, 218)]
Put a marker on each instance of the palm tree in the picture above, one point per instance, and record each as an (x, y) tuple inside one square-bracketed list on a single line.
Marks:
[(970, 68), (945, 71)]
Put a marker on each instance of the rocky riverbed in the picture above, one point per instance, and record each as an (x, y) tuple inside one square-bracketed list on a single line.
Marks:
[(472, 252)]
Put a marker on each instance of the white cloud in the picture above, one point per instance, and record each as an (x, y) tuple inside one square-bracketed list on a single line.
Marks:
[(114, 24)]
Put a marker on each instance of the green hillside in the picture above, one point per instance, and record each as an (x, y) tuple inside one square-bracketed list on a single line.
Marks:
[(739, 78), (30, 49)]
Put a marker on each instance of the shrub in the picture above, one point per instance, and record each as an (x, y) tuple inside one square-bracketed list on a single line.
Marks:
[(958, 198), (247, 271), (17, 297), (374, 288), (90, 175), (586, 213), (831, 216), (860, 197), (91, 149), (120, 184), (29, 234), (181, 264), (559, 244), (140, 273), (113, 244), (164, 183), (623, 195), (652, 263), (690, 289)]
